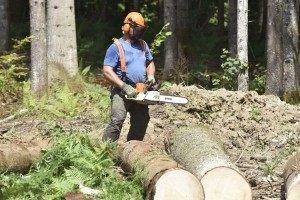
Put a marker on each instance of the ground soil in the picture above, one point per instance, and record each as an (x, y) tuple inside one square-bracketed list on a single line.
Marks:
[(259, 132)]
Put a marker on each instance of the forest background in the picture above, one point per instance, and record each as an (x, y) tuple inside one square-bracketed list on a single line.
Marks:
[(202, 36)]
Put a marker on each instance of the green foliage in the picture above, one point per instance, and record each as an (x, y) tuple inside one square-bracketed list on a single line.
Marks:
[(159, 39), (256, 114), (231, 67), (62, 103), (72, 161), (13, 70), (258, 80)]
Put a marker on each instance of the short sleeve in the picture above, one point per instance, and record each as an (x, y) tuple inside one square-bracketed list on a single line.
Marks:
[(111, 56), (148, 55)]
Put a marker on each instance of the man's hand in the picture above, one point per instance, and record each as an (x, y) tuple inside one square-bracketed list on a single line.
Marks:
[(150, 79), (129, 91)]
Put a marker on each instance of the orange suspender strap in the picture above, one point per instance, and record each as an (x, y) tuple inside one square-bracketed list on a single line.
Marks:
[(122, 59), (122, 56), (142, 43)]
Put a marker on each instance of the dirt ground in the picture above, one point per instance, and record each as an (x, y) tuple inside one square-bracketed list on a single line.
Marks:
[(259, 133)]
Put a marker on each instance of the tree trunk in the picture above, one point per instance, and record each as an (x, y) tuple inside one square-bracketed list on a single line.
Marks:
[(290, 47), (274, 48), (201, 154), (4, 25), (61, 38), (242, 43), (163, 178), (232, 28), (170, 44), (292, 177), (183, 19), (19, 157), (39, 70)]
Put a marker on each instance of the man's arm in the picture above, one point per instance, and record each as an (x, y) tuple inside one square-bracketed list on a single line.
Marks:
[(111, 76), (150, 67)]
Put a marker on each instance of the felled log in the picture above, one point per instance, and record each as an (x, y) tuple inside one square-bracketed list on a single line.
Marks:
[(19, 157), (163, 178), (292, 177), (200, 153)]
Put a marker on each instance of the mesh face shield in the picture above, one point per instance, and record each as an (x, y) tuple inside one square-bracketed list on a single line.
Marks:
[(138, 31)]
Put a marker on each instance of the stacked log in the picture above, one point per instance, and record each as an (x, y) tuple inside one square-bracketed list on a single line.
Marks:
[(292, 177), (200, 152), (163, 178)]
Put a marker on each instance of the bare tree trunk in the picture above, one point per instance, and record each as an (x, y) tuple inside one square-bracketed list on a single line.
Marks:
[(232, 28), (274, 48), (183, 19), (200, 153), (292, 177), (242, 43), (290, 46), (39, 70), (61, 38), (4, 25), (163, 178), (170, 45)]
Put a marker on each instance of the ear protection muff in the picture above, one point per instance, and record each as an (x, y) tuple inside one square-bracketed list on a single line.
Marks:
[(126, 28)]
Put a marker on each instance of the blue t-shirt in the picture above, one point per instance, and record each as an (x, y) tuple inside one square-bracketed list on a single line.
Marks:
[(135, 61)]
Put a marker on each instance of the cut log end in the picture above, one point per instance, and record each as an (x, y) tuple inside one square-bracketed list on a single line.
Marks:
[(223, 183), (293, 192), (178, 184), (292, 177)]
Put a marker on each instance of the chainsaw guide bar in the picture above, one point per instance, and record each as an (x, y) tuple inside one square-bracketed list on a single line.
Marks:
[(154, 97)]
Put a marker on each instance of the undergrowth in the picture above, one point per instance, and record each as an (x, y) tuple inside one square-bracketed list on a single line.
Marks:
[(63, 103), (72, 161)]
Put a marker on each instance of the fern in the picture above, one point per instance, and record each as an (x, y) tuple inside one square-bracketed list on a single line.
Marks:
[(72, 160)]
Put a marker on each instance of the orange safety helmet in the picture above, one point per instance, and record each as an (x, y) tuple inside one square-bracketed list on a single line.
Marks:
[(133, 18)]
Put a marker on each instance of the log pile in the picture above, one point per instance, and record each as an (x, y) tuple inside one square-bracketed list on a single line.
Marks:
[(200, 152), (163, 178), (292, 177)]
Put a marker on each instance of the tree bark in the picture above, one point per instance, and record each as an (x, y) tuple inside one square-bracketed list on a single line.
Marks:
[(4, 25), (274, 48), (39, 70), (201, 154), (19, 157), (183, 19), (163, 178), (292, 177), (290, 46), (242, 43), (170, 44), (61, 38), (232, 28)]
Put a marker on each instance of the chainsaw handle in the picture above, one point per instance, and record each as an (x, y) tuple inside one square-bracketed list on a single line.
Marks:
[(151, 86)]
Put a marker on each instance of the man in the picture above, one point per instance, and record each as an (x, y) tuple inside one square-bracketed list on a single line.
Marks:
[(139, 68)]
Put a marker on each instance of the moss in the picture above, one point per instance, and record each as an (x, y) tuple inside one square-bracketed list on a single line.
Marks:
[(292, 96)]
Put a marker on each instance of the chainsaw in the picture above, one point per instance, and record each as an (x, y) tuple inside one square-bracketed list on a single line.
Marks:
[(148, 94)]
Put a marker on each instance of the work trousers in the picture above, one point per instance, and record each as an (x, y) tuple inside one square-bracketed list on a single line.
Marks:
[(139, 118)]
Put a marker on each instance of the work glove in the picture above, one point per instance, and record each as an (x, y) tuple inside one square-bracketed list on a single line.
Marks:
[(150, 80), (129, 91)]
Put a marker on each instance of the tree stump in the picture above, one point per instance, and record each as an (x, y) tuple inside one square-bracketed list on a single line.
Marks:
[(163, 178), (292, 177), (200, 152)]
